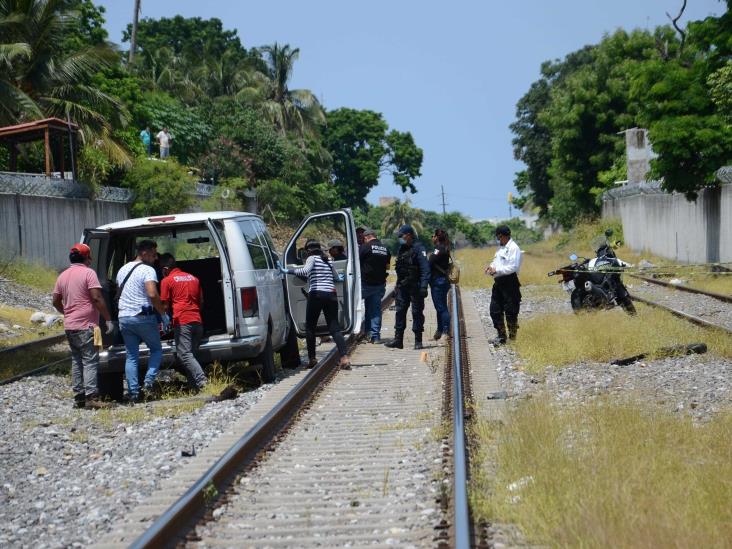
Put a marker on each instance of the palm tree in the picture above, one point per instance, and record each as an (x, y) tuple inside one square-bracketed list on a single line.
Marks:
[(289, 110), (400, 213), (37, 79)]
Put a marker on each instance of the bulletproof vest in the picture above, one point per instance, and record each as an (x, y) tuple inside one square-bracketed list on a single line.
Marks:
[(376, 263), (407, 268)]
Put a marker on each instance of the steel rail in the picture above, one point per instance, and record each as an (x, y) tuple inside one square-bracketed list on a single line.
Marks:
[(34, 372), (686, 316), (43, 342), (461, 521), (720, 297), (177, 520)]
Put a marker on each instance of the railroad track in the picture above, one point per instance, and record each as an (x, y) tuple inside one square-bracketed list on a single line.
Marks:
[(334, 462), (694, 319), (34, 347), (682, 288)]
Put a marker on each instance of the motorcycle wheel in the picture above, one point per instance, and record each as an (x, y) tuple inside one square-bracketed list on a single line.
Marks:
[(627, 304)]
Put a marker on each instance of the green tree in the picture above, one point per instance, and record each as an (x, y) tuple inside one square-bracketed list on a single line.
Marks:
[(400, 213), (160, 187), (363, 148), (39, 79)]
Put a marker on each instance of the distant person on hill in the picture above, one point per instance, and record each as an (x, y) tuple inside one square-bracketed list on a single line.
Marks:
[(146, 138), (78, 296), (506, 294), (164, 140)]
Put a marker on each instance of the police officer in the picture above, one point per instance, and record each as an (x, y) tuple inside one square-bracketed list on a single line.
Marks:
[(375, 259), (413, 276), (506, 294)]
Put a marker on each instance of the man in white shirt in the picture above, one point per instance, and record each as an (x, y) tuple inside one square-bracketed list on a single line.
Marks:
[(138, 302), (164, 140), (506, 295)]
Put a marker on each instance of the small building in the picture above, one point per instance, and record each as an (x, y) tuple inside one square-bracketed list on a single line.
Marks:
[(56, 134)]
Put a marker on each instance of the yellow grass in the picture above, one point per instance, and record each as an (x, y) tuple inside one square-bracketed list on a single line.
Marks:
[(606, 475), (565, 338)]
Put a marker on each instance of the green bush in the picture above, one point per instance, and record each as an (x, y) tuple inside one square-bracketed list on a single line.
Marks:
[(160, 187)]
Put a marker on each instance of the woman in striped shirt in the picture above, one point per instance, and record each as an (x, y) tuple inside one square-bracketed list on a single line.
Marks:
[(322, 296)]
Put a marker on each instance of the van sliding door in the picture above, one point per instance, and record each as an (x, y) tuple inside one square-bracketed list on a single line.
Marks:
[(232, 326)]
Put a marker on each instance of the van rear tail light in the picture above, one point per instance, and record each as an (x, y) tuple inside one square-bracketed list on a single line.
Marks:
[(249, 302)]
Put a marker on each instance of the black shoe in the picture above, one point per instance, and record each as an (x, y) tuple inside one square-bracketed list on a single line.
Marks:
[(312, 363), (376, 341), (93, 402), (418, 345), (139, 398), (79, 403), (396, 343), (437, 336), (498, 341)]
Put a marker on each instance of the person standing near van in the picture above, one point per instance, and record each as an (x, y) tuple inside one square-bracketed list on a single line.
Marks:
[(322, 296), (439, 265), (375, 259), (181, 293), (164, 140), (78, 296), (138, 303)]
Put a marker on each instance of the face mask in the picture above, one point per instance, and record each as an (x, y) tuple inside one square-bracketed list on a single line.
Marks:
[(402, 242), (498, 241)]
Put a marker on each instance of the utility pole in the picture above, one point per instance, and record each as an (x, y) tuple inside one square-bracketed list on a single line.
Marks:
[(133, 36), (443, 200)]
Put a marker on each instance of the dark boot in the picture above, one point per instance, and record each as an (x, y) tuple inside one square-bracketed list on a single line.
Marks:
[(512, 329), (397, 342), (501, 339), (418, 341)]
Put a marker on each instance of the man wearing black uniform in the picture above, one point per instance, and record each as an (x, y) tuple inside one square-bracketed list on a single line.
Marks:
[(506, 294), (375, 259), (413, 277)]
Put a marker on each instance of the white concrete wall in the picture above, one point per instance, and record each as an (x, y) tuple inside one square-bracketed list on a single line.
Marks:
[(670, 226), (43, 229)]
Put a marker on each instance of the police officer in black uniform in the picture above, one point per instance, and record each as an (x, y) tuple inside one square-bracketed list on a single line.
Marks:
[(375, 259), (413, 276)]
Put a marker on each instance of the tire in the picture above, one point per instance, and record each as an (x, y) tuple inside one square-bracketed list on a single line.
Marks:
[(627, 304), (111, 385), (267, 360)]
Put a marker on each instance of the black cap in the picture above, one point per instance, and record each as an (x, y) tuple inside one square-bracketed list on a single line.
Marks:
[(503, 230)]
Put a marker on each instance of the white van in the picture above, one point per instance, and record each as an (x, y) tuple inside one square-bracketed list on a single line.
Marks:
[(249, 306)]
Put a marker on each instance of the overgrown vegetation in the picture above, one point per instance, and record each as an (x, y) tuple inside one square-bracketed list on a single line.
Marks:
[(35, 275), (568, 338), (606, 474)]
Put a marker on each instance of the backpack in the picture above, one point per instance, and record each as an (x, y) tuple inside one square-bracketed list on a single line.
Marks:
[(453, 272)]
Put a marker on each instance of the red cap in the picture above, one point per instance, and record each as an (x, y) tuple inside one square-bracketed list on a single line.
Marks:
[(82, 249)]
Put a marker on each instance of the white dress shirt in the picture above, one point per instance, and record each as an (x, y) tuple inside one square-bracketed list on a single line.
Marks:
[(507, 260)]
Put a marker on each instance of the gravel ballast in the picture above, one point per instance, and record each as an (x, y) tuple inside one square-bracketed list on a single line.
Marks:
[(68, 474), (698, 385)]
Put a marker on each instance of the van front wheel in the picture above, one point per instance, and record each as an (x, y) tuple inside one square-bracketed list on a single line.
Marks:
[(267, 360)]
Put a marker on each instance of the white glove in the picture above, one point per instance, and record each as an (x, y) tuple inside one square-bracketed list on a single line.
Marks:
[(110, 327)]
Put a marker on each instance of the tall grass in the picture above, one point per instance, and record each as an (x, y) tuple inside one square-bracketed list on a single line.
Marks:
[(607, 475), (565, 338), (34, 275)]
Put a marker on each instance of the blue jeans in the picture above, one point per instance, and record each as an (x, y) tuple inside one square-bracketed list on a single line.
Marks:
[(372, 296), (440, 287), (135, 329)]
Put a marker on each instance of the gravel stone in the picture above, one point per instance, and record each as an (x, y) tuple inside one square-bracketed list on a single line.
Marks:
[(69, 474), (18, 295)]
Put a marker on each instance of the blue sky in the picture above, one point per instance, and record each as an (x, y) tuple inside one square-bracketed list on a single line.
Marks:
[(449, 72)]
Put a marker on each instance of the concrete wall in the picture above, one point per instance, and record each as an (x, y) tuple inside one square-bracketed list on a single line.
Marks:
[(670, 226), (42, 229)]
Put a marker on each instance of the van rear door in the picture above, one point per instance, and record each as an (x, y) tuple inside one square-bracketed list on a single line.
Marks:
[(98, 242), (217, 231), (323, 227)]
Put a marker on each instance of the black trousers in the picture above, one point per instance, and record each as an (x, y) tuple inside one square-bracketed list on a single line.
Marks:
[(326, 302), (505, 304), (406, 296)]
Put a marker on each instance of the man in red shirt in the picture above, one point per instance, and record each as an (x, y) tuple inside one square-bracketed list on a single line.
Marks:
[(181, 293), (78, 296)]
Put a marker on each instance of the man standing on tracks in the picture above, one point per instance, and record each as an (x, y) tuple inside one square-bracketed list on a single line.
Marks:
[(78, 296), (506, 295), (181, 292), (138, 303), (413, 277), (375, 259)]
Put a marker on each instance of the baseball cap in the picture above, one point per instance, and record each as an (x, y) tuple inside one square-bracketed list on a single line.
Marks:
[(368, 232), (81, 249), (335, 243), (405, 229)]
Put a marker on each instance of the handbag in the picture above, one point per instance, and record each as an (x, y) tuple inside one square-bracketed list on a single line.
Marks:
[(452, 273)]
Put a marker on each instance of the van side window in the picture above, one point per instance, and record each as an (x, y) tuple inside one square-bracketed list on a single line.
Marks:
[(267, 240), (256, 250)]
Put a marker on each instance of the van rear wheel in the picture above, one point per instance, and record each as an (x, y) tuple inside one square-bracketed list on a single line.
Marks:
[(267, 360)]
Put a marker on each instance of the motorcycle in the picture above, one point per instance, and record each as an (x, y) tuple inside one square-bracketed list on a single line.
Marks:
[(596, 283)]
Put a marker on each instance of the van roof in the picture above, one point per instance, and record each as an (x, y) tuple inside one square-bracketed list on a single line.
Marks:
[(161, 220)]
